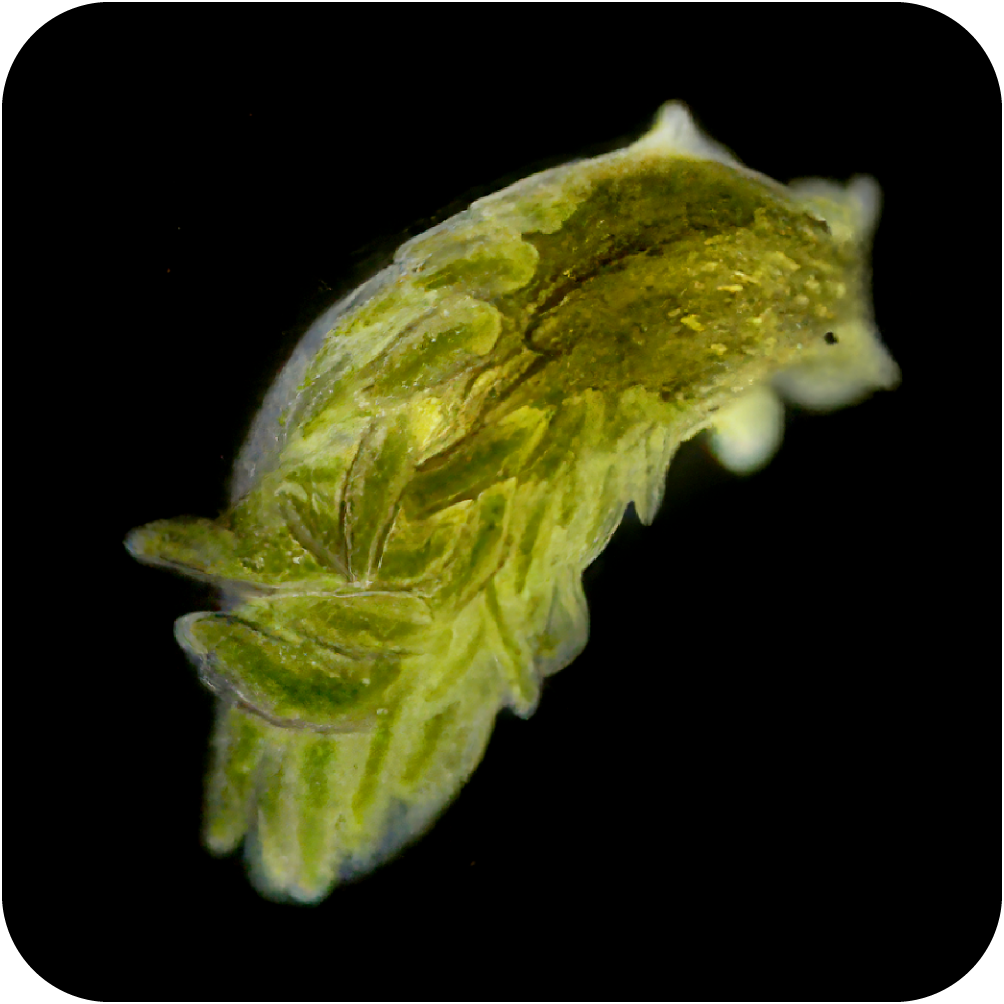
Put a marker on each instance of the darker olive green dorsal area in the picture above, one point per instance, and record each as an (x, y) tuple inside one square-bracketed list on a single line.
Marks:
[(670, 274)]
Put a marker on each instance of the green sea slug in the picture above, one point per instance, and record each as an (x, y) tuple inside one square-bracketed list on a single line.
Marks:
[(452, 444)]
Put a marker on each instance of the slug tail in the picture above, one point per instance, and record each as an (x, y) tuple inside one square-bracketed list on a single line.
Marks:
[(316, 809)]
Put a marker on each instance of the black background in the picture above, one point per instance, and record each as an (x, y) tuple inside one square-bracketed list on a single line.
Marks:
[(773, 774)]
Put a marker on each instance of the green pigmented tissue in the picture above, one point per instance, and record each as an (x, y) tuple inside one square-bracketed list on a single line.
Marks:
[(452, 444)]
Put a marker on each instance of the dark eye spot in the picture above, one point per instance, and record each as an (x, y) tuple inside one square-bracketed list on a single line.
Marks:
[(830, 338)]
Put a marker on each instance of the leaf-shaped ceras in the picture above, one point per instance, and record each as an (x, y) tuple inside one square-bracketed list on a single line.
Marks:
[(451, 445)]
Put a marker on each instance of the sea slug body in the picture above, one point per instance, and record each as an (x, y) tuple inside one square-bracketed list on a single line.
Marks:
[(452, 444)]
